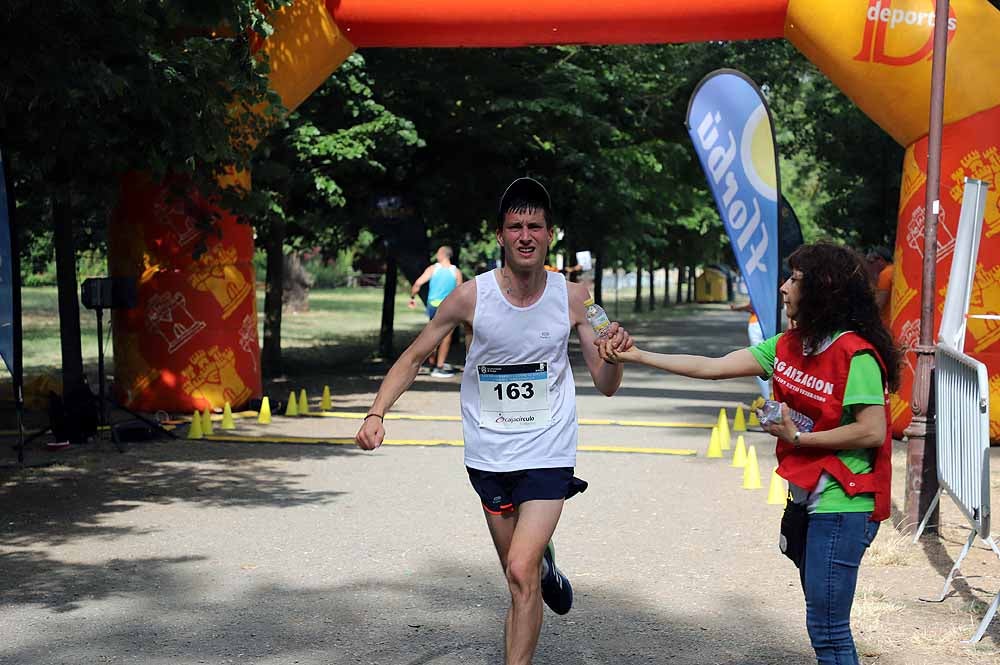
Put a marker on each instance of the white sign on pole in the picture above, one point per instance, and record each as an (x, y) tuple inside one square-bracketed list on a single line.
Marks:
[(963, 264)]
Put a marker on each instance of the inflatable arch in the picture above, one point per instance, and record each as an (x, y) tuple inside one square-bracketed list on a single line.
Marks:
[(192, 342)]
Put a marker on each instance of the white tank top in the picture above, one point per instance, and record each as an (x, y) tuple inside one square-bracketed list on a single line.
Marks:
[(518, 396)]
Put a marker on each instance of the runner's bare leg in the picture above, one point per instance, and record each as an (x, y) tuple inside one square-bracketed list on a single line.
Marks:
[(520, 540)]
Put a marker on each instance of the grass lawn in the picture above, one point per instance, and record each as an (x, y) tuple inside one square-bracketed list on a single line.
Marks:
[(340, 329), (340, 323)]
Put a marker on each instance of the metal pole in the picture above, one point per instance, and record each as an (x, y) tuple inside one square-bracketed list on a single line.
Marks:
[(102, 414), (921, 457)]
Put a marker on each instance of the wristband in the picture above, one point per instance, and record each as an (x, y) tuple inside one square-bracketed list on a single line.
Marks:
[(376, 415), (795, 439)]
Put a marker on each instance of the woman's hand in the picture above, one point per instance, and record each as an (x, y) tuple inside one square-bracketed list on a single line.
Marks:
[(785, 429), (610, 353)]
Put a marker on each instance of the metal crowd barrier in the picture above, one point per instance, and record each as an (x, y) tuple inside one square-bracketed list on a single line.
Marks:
[(963, 448)]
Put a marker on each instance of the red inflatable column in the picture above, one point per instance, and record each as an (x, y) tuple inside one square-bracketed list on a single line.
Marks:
[(970, 149), (191, 343)]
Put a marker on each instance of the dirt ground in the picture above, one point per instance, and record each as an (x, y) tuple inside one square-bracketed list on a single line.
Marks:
[(251, 552)]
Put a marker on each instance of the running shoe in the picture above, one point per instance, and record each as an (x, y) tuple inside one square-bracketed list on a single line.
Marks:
[(557, 592), (442, 373)]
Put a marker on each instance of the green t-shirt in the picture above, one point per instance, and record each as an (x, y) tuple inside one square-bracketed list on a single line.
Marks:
[(864, 386)]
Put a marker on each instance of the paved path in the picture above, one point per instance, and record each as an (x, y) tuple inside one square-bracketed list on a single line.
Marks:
[(203, 552)]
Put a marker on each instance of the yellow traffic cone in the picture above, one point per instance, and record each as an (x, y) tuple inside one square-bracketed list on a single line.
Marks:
[(206, 423), (227, 418), (776, 490), (324, 403), (264, 415), (751, 472), (739, 422), (753, 421), (291, 409), (194, 432), (740, 454), (714, 448), (303, 403), (723, 429)]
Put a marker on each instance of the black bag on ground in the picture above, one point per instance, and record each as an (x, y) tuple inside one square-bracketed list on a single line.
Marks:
[(794, 522)]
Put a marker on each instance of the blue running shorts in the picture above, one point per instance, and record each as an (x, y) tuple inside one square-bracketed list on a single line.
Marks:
[(503, 491)]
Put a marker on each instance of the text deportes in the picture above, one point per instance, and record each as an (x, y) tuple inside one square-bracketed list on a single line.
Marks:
[(907, 17)]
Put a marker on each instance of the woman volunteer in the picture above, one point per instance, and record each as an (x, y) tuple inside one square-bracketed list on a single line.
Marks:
[(835, 365)]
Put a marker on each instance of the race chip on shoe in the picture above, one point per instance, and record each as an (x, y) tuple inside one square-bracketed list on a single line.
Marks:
[(514, 397)]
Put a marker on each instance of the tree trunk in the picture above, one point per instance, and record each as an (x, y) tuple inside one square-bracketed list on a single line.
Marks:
[(68, 294), (297, 282), (666, 285), (617, 290), (690, 284), (681, 278), (652, 284), (638, 288), (273, 291), (388, 308), (598, 279)]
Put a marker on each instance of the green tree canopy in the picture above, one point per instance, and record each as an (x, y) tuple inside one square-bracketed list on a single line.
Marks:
[(91, 91)]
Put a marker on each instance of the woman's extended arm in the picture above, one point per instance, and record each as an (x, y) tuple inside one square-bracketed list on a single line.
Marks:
[(731, 365)]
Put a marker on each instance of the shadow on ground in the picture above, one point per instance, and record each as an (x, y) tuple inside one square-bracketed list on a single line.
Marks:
[(56, 504), (445, 613)]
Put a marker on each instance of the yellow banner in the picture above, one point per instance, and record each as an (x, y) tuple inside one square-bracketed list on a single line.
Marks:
[(879, 53)]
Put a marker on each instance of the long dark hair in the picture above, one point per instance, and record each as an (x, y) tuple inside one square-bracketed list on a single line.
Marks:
[(836, 295)]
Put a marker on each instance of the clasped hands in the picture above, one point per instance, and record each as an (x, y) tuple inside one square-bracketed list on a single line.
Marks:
[(616, 346)]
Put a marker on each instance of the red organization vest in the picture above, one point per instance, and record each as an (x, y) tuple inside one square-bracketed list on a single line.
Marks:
[(814, 385)]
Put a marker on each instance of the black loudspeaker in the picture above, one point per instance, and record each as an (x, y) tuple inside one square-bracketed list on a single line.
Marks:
[(109, 293)]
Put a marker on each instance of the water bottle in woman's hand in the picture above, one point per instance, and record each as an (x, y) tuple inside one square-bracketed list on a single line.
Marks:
[(770, 413)]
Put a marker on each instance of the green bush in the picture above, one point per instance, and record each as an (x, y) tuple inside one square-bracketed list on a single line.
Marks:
[(331, 273), (260, 265), (327, 273), (89, 263), (45, 278)]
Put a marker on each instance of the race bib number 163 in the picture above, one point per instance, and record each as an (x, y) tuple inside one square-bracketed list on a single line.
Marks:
[(514, 397)]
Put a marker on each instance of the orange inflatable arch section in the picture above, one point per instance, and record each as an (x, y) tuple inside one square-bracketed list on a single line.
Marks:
[(437, 23)]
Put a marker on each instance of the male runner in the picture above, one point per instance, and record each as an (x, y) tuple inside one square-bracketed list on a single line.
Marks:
[(443, 277), (518, 403)]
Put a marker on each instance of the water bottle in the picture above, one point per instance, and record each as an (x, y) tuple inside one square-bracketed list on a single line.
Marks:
[(771, 413), (597, 317)]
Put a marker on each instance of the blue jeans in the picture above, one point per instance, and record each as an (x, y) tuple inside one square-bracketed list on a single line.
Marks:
[(835, 543)]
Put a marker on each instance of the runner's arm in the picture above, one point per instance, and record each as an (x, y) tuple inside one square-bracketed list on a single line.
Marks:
[(736, 363), (607, 376), (457, 308), (423, 279)]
